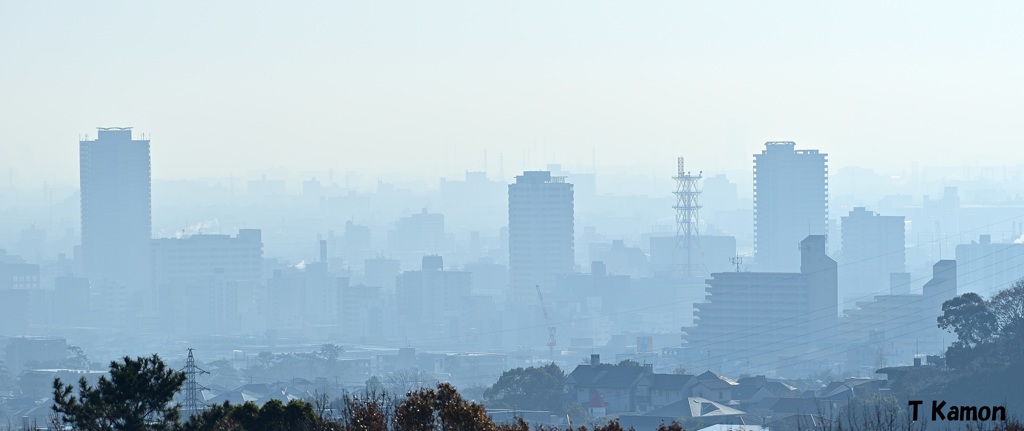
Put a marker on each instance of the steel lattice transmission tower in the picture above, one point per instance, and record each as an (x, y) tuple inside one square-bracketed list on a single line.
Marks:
[(687, 212), (192, 404)]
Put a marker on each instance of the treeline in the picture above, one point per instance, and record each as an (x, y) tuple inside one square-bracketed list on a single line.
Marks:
[(987, 358), (139, 394)]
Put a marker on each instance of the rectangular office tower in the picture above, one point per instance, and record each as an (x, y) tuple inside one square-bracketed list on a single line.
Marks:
[(790, 203), (873, 249), (116, 222), (540, 232)]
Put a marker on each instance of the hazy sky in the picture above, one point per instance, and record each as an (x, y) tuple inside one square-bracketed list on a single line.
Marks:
[(426, 87)]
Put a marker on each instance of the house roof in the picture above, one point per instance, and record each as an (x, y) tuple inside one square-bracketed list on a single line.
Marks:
[(239, 396), (669, 381), (780, 389), (694, 407), (711, 375), (606, 376), (753, 381), (799, 406), (748, 387), (717, 384), (722, 427)]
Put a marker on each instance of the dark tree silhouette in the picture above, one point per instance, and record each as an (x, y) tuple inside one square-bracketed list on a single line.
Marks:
[(137, 396), (1008, 305), (273, 416), (969, 318), (534, 388)]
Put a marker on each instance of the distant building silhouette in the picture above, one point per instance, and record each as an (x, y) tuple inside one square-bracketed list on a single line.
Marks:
[(116, 222), (303, 300), (714, 255), (360, 313), (431, 301), (890, 328), (208, 283), (760, 320), (987, 267), (873, 248), (540, 232), (415, 236), (381, 272), (790, 202)]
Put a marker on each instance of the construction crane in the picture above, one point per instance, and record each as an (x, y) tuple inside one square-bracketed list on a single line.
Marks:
[(551, 328)]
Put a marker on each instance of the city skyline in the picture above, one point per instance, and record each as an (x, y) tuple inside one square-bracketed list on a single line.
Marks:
[(323, 199)]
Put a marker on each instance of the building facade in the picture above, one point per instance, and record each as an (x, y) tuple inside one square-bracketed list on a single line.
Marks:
[(872, 249), (415, 236), (890, 328), (987, 267), (540, 232), (790, 203), (208, 283), (116, 222), (753, 321), (432, 301)]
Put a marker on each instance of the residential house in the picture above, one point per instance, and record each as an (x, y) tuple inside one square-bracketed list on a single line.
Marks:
[(664, 389), (616, 384), (687, 410), (714, 387)]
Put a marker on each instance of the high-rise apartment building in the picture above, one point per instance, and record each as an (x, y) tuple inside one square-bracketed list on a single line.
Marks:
[(433, 301), (415, 236), (540, 232), (756, 320), (116, 219), (987, 267), (899, 326), (873, 248), (208, 283), (790, 203)]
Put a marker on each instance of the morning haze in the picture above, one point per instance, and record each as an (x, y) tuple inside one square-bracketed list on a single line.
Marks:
[(230, 84), (758, 209)]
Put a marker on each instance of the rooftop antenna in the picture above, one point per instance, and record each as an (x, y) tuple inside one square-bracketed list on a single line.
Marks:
[(738, 260)]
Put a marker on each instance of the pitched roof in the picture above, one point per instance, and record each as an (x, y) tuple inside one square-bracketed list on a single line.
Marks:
[(669, 381), (606, 376), (780, 389), (717, 384), (799, 405), (694, 407), (708, 376), (723, 427)]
